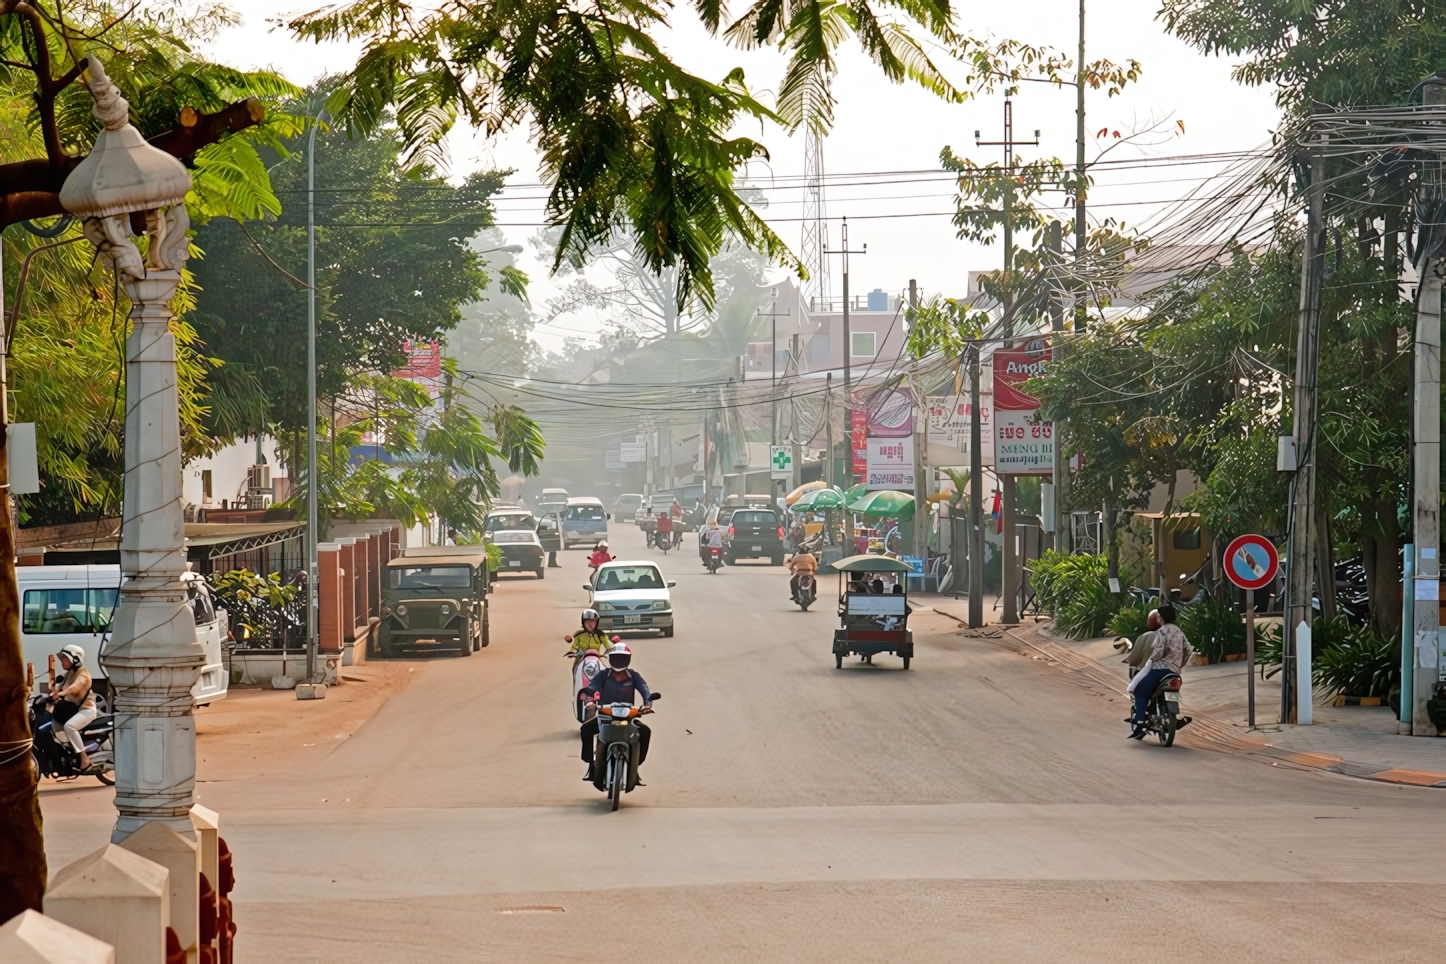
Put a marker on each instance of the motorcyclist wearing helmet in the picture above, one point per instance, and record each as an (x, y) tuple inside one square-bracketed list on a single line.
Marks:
[(599, 555), (590, 636), (73, 687), (619, 685)]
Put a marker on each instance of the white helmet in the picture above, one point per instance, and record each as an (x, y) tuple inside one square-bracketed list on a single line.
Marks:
[(74, 653), (620, 656)]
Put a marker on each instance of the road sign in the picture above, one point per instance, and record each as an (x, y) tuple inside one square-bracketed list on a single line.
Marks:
[(780, 458), (1251, 562)]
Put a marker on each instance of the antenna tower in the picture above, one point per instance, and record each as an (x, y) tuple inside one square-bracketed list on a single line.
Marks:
[(814, 248)]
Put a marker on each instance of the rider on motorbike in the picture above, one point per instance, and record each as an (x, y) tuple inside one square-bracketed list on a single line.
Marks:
[(599, 555), (73, 687), (664, 530), (801, 562), (1169, 651), (590, 637), (619, 685)]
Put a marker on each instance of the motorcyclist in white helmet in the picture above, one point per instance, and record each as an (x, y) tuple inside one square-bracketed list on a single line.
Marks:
[(590, 636), (73, 687)]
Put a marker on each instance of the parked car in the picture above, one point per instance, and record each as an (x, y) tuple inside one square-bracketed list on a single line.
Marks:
[(509, 518), (627, 504), (60, 605), (552, 500), (754, 533), (632, 597), (549, 531), (522, 551), (583, 521), (434, 599)]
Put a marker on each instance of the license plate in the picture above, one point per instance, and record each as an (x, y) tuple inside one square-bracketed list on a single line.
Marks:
[(515, 562), (632, 619), (1172, 697), (757, 548)]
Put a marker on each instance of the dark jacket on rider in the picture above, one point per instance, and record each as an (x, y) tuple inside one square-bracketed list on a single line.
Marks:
[(606, 688)]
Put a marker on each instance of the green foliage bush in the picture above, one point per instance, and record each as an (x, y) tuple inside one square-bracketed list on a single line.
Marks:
[(1214, 628), (1346, 658), (262, 610), (1132, 620), (1075, 589)]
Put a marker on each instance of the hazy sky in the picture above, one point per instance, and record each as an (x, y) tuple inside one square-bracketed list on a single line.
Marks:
[(882, 127)]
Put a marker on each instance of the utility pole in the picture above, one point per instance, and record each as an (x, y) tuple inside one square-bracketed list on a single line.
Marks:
[(773, 316), (793, 419), (830, 475), (921, 491), (847, 369), (1300, 572), (1426, 466), (1079, 173), (313, 482), (1009, 588), (976, 497), (1055, 241)]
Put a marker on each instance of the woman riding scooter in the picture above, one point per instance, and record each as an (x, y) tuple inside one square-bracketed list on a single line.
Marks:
[(599, 555), (74, 704), (591, 637)]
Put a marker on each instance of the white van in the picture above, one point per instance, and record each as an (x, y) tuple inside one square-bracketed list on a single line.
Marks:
[(60, 605)]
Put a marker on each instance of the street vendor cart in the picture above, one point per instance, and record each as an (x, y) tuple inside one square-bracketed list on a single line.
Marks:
[(872, 622)]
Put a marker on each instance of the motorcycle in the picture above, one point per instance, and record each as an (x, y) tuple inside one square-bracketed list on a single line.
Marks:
[(714, 562), (59, 760), (585, 666), (666, 541), (615, 760), (807, 591), (1162, 711)]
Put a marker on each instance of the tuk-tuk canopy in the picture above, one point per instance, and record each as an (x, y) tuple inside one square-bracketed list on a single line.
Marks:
[(870, 562)]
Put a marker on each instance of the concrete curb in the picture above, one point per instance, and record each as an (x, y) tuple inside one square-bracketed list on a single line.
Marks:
[(1205, 733)]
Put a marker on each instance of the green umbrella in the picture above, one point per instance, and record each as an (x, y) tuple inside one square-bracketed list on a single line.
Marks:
[(885, 504), (816, 500), (855, 492)]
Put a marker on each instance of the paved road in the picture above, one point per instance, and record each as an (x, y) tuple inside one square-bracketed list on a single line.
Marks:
[(977, 805)]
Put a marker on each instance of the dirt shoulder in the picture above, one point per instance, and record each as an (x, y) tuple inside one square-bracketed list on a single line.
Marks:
[(254, 732)]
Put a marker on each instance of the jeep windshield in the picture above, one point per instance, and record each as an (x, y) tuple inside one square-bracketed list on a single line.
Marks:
[(431, 577)]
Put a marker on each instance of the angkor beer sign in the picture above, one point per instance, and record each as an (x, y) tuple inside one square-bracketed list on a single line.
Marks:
[(1023, 444)]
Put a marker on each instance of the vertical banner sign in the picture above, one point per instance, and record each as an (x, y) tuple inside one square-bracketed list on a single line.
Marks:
[(859, 442), (890, 459), (1023, 444)]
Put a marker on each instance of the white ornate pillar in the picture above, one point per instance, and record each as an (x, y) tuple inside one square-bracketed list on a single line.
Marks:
[(153, 658)]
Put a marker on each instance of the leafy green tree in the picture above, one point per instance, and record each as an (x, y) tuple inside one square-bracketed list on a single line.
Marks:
[(393, 265)]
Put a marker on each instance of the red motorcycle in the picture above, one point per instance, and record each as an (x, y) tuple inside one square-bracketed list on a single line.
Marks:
[(714, 562)]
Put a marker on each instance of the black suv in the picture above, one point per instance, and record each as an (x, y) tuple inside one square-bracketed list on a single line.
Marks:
[(754, 533)]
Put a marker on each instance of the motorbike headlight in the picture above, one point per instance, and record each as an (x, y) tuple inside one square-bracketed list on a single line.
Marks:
[(401, 610), (661, 604)]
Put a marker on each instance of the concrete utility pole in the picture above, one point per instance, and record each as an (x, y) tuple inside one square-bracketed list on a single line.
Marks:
[(1055, 241), (773, 316), (1426, 482), (1009, 588), (793, 419), (1301, 551), (829, 474), (921, 489), (313, 602), (847, 373), (976, 497), (1079, 171)]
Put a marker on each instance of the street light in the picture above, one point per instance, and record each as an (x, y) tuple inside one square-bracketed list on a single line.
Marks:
[(125, 187)]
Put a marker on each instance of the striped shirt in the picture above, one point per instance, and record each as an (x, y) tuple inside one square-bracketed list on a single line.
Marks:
[(1171, 648)]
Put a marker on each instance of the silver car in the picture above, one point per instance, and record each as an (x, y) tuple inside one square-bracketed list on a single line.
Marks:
[(632, 597)]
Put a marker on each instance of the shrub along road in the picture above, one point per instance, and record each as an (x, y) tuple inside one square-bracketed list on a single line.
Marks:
[(979, 804)]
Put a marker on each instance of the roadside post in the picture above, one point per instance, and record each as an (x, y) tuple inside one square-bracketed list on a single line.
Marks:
[(1251, 563)]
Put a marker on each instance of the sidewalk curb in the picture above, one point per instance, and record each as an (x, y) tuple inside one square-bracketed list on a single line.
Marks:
[(1215, 735)]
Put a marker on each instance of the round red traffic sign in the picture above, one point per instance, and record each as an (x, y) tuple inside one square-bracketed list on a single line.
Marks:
[(1251, 561)]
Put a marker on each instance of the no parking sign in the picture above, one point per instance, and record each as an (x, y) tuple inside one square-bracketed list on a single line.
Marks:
[(1251, 562)]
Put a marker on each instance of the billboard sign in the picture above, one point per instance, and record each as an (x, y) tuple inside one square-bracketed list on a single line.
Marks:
[(1023, 445), (858, 441), (633, 451), (891, 463)]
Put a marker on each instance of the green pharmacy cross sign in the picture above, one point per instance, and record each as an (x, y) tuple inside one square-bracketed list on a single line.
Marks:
[(781, 460)]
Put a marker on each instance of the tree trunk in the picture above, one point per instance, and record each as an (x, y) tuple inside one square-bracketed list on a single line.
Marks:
[(23, 872), (1380, 556), (1112, 542)]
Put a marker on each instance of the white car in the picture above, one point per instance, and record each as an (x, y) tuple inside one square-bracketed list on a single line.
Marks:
[(632, 596)]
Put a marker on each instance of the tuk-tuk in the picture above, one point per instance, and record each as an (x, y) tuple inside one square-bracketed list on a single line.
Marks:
[(872, 622), (434, 598)]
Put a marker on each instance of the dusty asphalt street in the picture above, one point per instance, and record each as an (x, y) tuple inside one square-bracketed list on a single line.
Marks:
[(978, 806)]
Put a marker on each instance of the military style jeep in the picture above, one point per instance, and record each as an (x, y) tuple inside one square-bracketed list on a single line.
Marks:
[(434, 599)]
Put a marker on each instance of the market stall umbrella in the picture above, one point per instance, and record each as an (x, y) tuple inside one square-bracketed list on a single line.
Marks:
[(803, 490), (855, 492), (816, 500), (884, 504)]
